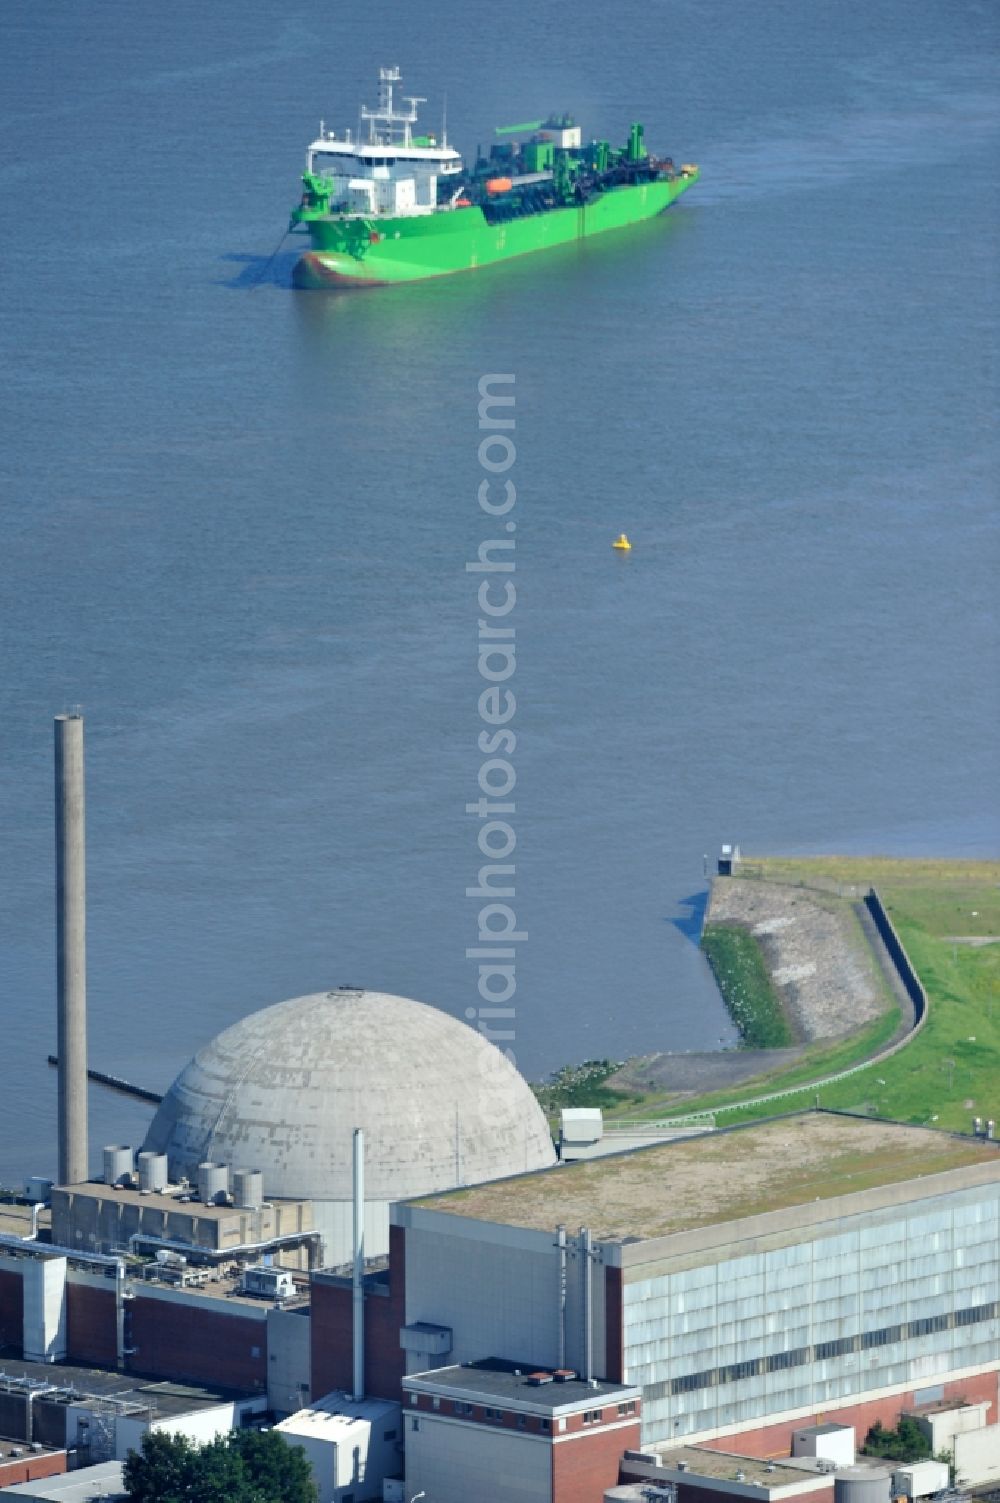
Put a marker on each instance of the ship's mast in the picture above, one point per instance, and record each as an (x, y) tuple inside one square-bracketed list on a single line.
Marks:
[(393, 120)]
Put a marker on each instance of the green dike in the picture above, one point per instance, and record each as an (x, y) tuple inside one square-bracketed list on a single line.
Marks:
[(954, 1060), (741, 974), (950, 1071)]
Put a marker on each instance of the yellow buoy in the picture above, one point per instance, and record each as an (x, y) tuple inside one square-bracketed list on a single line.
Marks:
[(622, 542)]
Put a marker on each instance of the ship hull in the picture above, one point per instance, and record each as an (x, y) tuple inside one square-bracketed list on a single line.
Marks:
[(353, 252)]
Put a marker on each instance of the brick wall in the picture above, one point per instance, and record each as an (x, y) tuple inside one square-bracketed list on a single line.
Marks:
[(776, 1440), (333, 1330), (11, 1311), (190, 1341), (586, 1465), (30, 1468), (91, 1335)]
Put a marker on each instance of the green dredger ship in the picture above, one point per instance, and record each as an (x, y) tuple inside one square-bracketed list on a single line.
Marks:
[(397, 207)]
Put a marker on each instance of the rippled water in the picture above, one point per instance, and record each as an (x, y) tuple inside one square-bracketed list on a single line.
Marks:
[(236, 518)]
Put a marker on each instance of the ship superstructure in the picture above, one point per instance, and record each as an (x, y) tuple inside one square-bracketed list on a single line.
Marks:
[(392, 205), (390, 171)]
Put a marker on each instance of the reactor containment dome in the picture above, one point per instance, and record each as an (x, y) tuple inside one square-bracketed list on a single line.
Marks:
[(282, 1091)]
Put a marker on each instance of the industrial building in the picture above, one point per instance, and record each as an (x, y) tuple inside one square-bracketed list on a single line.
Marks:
[(283, 1090), (753, 1291), (352, 1445), (722, 1315), (743, 1280), (492, 1428), (96, 1415), (111, 1218)]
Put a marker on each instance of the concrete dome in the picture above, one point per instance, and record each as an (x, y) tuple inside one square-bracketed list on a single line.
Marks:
[(283, 1089)]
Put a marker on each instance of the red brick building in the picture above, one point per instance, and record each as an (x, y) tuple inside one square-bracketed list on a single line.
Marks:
[(491, 1429)]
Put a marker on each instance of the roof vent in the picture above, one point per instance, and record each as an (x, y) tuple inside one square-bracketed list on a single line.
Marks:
[(682, 1466), (741, 1476), (535, 1380)]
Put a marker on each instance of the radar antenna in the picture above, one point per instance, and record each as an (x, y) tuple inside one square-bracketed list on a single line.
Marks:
[(385, 115)]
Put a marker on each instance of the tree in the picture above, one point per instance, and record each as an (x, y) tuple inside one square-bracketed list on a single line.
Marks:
[(278, 1471), (162, 1471), (246, 1466), (906, 1443)]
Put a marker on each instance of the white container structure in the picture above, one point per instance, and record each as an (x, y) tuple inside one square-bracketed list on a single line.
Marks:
[(920, 1479), (268, 1283), (350, 1447), (826, 1442)]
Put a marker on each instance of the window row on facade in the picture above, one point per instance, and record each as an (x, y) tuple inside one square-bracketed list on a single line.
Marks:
[(866, 1341)]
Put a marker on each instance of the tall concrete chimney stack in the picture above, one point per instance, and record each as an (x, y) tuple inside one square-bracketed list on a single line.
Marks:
[(71, 950)]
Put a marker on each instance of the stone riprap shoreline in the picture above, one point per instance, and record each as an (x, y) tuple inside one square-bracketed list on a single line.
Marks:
[(828, 968), (823, 971)]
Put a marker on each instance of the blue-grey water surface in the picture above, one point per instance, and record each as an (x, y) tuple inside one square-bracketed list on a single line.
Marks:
[(235, 519)]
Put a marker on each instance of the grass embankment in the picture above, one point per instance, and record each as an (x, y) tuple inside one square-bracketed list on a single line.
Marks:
[(950, 1071), (738, 967), (946, 1075)]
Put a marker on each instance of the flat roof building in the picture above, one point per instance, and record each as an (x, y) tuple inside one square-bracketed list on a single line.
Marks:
[(352, 1445), (503, 1431), (772, 1274)]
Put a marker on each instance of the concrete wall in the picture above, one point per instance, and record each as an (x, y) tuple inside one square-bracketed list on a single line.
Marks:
[(942, 1425), (898, 955), (289, 1358), (97, 1218), (334, 1219), (455, 1462), (497, 1287), (977, 1456), (44, 1309)]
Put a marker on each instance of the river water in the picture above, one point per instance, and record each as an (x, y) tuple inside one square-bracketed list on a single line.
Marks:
[(236, 518)]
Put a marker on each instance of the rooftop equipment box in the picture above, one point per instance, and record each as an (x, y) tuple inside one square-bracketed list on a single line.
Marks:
[(825, 1442)]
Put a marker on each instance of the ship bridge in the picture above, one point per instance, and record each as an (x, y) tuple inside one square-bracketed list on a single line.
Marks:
[(392, 171)]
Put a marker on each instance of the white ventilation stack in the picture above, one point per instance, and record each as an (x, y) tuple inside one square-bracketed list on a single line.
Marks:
[(71, 950), (213, 1182), (248, 1189), (358, 1288), (118, 1164), (154, 1174)]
